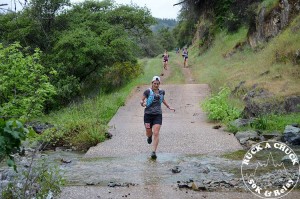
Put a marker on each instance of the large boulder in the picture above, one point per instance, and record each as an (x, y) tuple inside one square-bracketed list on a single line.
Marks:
[(259, 102), (245, 136), (291, 135)]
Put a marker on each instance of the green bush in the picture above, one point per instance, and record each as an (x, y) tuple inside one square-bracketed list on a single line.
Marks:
[(24, 85), (219, 108), (119, 74), (11, 134)]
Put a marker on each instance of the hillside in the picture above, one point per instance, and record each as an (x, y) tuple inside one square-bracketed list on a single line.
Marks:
[(261, 66)]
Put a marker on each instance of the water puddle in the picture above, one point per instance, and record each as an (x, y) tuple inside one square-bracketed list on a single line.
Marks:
[(167, 169), (142, 170)]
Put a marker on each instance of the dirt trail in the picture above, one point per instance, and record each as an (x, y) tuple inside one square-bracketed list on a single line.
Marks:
[(185, 132)]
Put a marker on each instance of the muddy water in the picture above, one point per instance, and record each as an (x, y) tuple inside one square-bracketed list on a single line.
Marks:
[(141, 170)]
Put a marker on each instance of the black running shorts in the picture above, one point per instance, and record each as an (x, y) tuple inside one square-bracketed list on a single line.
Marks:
[(150, 120)]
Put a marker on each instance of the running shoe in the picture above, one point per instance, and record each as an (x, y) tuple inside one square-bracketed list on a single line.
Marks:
[(153, 155)]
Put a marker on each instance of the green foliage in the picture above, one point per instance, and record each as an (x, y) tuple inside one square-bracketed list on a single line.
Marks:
[(136, 20), (260, 123), (11, 134), (37, 181), (119, 74), (24, 85), (166, 38), (78, 41), (151, 46), (219, 108), (184, 32), (223, 12)]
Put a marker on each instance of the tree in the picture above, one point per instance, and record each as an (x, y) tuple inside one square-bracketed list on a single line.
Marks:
[(166, 38)]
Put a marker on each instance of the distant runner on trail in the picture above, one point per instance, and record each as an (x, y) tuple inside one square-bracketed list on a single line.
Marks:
[(152, 99), (185, 55), (165, 59)]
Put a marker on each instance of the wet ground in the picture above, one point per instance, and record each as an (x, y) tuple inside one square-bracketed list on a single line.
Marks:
[(141, 170)]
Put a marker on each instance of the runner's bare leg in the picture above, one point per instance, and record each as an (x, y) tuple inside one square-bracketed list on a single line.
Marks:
[(156, 129)]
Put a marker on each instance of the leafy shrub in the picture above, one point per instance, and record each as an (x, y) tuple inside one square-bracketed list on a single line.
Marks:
[(219, 108), (11, 134), (24, 85), (119, 74)]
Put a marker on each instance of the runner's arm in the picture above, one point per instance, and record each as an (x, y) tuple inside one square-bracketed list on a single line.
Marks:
[(142, 102), (168, 106)]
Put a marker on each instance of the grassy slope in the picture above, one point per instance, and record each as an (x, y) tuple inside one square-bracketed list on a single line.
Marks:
[(247, 65), (283, 78)]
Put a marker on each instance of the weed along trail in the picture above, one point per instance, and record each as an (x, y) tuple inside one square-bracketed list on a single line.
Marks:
[(188, 163)]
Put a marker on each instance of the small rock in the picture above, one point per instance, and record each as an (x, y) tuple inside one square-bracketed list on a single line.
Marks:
[(205, 170), (182, 185), (108, 135), (176, 170), (234, 182), (112, 184), (217, 126), (190, 184), (271, 135), (287, 159), (65, 161), (195, 187)]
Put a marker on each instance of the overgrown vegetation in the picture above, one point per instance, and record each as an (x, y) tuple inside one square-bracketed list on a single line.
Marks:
[(218, 107)]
